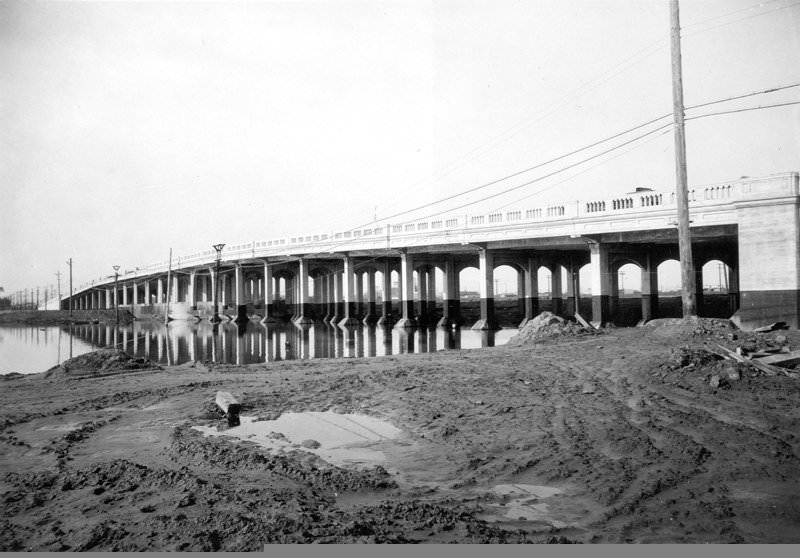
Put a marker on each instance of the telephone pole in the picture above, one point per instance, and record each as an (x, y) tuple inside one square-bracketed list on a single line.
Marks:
[(69, 263), (688, 296)]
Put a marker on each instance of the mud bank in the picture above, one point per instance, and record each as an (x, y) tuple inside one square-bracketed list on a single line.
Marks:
[(619, 437)]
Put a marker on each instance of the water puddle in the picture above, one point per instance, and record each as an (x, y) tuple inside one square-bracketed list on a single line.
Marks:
[(523, 502), (340, 439)]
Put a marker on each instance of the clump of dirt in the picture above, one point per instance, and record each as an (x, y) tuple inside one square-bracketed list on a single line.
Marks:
[(100, 363), (690, 358), (547, 325)]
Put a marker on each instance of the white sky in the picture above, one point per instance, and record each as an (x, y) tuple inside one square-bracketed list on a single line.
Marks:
[(127, 129)]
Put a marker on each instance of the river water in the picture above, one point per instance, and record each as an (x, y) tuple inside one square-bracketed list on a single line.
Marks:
[(26, 349)]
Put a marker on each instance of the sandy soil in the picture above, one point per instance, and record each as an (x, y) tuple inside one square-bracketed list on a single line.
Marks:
[(616, 437)]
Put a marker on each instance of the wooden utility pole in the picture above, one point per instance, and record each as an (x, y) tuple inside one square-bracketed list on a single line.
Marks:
[(688, 296), (69, 297)]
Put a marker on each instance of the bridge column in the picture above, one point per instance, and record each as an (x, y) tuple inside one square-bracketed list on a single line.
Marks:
[(269, 307), (649, 291), (134, 294), (733, 290), (124, 294), (338, 304), (327, 296), (698, 289), (530, 290), (451, 301), (386, 304), (108, 299), (406, 291), (422, 288), (371, 317), (359, 296), (190, 289), (556, 289), (238, 294), (573, 288), (486, 286), (601, 284), (430, 310), (303, 306), (147, 293), (349, 318)]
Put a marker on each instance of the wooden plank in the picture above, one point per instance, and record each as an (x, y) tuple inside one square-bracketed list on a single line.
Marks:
[(787, 360), (583, 322)]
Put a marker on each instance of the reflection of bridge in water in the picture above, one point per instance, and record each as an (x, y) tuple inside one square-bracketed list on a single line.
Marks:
[(752, 226), (251, 343)]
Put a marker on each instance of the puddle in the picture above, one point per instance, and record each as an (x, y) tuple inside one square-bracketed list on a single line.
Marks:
[(523, 502), (344, 439)]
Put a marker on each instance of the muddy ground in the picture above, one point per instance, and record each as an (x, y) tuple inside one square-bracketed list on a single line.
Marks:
[(633, 435)]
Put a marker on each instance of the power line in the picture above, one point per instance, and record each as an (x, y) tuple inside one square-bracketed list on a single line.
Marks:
[(747, 109), (743, 19), (751, 94), (715, 18)]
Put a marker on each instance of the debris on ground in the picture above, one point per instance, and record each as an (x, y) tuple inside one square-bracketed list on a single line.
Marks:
[(100, 363), (546, 325)]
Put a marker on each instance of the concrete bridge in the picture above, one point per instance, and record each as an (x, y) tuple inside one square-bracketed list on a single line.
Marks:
[(752, 225)]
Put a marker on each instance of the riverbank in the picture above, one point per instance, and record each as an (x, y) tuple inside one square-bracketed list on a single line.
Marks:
[(621, 437), (63, 317)]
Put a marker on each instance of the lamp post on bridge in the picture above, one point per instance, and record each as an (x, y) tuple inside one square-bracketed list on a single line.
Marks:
[(116, 295), (218, 247)]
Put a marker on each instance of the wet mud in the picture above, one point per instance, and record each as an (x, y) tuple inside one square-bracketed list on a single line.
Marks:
[(569, 436)]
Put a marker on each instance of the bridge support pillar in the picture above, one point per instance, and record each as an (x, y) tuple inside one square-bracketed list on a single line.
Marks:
[(601, 284), (348, 280), (191, 299), (451, 303), (573, 289), (530, 290), (421, 312), (386, 305), (430, 307), (327, 296), (303, 306), (147, 293), (371, 317), (486, 286), (269, 307), (238, 294), (406, 291), (698, 289), (358, 298), (338, 304), (649, 291), (556, 289)]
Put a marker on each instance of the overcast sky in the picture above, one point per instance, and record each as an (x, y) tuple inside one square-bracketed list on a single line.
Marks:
[(127, 129)]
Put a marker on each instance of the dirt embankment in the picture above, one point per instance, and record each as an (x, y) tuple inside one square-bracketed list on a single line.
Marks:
[(622, 436)]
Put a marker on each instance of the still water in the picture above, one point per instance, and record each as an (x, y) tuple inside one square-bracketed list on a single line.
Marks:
[(35, 349)]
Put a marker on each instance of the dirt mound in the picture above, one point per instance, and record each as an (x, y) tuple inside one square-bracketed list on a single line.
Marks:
[(100, 363), (546, 325), (694, 327)]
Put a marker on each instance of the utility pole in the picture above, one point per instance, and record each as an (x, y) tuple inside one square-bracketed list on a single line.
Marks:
[(688, 296), (58, 278), (69, 263)]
